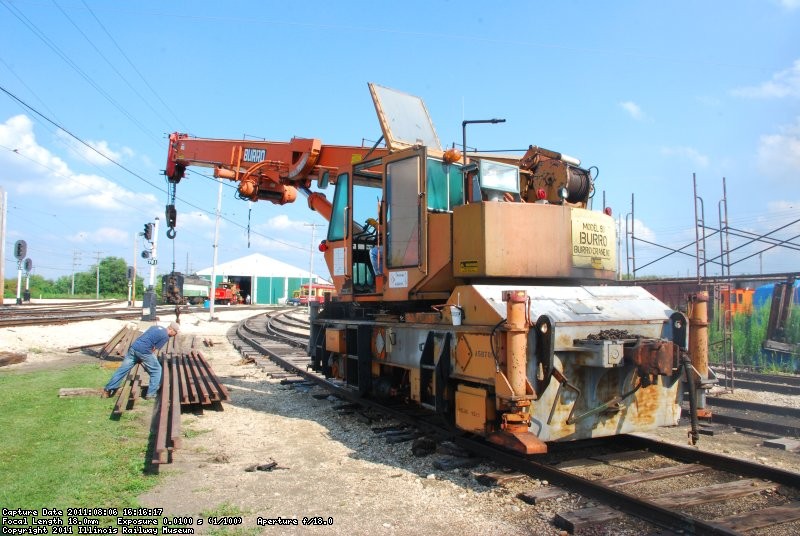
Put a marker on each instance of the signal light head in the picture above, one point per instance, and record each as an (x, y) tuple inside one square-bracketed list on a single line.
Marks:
[(607, 211), (323, 246), (541, 194)]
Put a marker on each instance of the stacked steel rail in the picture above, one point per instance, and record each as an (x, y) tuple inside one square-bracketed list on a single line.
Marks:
[(188, 383)]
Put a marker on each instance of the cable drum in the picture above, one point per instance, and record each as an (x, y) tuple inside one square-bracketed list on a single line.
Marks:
[(579, 184)]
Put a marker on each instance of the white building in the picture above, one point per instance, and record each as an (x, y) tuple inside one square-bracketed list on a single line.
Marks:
[(265, 280)]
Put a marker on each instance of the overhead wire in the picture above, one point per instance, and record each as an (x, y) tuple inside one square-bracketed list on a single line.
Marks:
[(133, 66), (110, 64), (61, 54), (133, 173)]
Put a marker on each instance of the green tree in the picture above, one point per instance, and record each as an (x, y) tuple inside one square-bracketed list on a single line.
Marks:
[(113, 283), (113, 276)]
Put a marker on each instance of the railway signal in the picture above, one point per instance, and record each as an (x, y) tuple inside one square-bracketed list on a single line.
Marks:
[(20, 250), (151, 254), (27, 264)]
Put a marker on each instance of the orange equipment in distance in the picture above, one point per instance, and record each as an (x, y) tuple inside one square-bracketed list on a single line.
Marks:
[(227, 293), (737, 300)]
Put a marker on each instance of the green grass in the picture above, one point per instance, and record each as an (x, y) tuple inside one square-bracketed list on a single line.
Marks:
[(66, 452)]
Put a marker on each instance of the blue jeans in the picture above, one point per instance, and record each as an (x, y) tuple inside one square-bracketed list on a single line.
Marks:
[(376, 258), (150, 363)]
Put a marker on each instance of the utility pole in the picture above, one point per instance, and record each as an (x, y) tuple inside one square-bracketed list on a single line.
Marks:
[(213, 289), (133, 275), (97, 275), (75, 258), (3, 203), (311, 262)]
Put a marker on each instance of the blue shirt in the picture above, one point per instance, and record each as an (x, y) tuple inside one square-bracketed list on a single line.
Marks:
[(153, 337)]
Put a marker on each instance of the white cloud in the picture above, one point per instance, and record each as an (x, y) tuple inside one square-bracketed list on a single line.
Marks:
[(641, 231), (789, 4), (280, 222), (779, 154), (687, 154), (785, 83), (633, 109), (98, 153), (34, 170)]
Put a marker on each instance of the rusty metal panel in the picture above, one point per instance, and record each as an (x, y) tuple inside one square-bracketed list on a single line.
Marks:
[(653, 357), (648, 408)]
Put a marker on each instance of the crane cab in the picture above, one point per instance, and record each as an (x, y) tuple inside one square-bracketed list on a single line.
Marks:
[(432, 223)]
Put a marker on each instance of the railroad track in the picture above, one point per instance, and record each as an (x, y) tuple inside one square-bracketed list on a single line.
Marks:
[(626, 474), (767, 418), (774, 383), (34, 315)]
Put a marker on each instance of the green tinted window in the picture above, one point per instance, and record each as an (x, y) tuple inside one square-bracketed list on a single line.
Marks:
[(439, 176), (336, 228)]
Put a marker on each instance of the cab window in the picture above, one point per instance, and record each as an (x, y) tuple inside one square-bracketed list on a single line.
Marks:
[(337, 228)]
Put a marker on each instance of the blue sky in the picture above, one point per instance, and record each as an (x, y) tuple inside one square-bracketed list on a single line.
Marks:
[(649, 92)]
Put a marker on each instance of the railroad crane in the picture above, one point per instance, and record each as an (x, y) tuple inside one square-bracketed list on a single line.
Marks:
[(479, 286)]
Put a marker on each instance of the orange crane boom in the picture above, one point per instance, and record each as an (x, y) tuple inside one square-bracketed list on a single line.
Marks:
[(265, 170)]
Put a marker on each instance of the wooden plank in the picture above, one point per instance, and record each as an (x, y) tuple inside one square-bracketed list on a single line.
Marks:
[(713, 493), (67, 392), (497, 478), (106, 349), (761, 518), (783, 443), (125, 391), (12, 358), (541, 494), (653, 474), (586, 517), (73, 349)]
